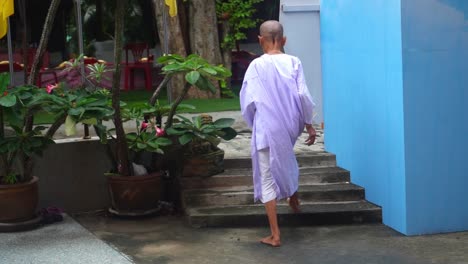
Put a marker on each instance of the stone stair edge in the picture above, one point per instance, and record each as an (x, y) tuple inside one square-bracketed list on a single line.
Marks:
[(340, 186), (306, 208)]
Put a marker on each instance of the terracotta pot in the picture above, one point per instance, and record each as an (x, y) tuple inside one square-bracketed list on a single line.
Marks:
[(18, 202), (135, 194), (204, 165)]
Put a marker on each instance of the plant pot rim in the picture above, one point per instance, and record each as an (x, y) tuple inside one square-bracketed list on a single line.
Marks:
[(136, 177), (33, 180)]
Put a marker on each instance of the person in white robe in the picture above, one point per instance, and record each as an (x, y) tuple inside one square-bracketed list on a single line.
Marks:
[(277, 105)]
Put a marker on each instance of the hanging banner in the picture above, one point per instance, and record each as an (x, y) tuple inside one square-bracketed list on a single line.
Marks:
[(172, 7), (6, 9)]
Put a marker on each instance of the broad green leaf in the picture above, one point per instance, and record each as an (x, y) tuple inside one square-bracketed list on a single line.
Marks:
[(76, 111), (8, 100), (224, 122), (209, 70), (229, 133), (205, 84), (89, 121), (141, 146), (4, 81), (186, 138), (162, 141), (172, 131), (70, 126), (192, 77)]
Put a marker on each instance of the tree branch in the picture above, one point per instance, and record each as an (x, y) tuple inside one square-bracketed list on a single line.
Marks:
[(158, 90)]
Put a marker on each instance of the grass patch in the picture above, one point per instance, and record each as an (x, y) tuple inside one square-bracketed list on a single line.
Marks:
[(140, 97)]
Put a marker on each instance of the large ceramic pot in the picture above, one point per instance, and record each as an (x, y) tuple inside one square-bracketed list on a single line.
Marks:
[(204, 165), (135, 195), (18, 202)]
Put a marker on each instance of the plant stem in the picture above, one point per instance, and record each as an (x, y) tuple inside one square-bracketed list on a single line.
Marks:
[(175, 105), (48, 25), (121, 148), (163, 84), (56, 125)]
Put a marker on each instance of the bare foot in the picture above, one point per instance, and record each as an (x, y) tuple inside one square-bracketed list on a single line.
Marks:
[(269, 240), (294, 203)]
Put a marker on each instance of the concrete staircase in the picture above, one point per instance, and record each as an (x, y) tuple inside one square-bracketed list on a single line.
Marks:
[(325, 192)]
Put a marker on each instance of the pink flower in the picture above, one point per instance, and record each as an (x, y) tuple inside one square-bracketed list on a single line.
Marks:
[(159, 131), (143, 127), (51, 87)]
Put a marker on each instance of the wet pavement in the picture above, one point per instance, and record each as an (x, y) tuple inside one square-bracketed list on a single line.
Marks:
[(167, 239)]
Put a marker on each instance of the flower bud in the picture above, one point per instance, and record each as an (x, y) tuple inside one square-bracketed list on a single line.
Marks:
[(159, 131), (144, 126)]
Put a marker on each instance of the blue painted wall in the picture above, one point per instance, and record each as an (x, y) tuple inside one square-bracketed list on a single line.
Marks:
[(363, 98), (395, 84), (435, 80)]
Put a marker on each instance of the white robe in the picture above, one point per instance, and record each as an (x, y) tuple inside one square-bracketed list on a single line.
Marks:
[(276, 104)]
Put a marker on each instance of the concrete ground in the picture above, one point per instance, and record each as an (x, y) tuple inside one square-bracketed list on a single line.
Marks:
[(167, 239)]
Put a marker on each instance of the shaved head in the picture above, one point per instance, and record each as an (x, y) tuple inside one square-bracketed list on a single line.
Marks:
[(272, 31)]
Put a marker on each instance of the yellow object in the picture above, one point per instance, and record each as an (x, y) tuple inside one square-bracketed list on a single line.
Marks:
[(7, 9), (172, 7)]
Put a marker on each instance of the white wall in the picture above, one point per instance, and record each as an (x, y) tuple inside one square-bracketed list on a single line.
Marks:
[(301, 22)]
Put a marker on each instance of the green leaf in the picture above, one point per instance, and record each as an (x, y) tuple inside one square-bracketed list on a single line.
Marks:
[(224, 122), (192, 77), (76, 111), (172, 131), (186, 138), (209, 70), (70, 126), (229, 133), (141, 146), (4, 81), (205, 84), (8, 100), (89, 121), (162, 141)]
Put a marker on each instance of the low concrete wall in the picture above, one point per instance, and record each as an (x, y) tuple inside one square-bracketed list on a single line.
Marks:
[(71, 176)]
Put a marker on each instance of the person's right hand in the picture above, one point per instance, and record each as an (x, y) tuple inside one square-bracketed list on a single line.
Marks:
[(312, 134)]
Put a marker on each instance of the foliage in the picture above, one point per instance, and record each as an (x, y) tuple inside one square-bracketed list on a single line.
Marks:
[(148, 136), (17, 143), (196, 69), (200, 130), (239, 16)]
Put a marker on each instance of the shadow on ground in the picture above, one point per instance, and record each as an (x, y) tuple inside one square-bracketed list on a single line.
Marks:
[(167, 239)]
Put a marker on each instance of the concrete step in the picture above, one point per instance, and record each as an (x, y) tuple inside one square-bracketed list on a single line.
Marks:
[(324, 213), (304, 160), (243, 177), (243, 195)]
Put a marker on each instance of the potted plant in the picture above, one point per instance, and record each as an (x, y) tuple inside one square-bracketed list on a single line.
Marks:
[(201, 136), (21, 143), (139, 194)]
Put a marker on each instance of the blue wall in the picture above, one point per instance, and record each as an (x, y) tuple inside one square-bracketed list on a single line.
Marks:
[(394, 81), (363, 98), (435, 80)]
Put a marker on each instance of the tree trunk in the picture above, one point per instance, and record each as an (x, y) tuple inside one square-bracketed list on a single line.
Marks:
[(175, 42), (123, 166), (227, 52), (48, 25), (204, 39)]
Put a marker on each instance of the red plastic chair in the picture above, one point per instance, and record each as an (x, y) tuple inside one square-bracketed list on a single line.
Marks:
[(138, 50), (43, 70)]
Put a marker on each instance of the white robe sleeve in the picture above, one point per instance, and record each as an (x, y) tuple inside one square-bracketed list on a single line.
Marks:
[(307, 102), (247, 103)]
